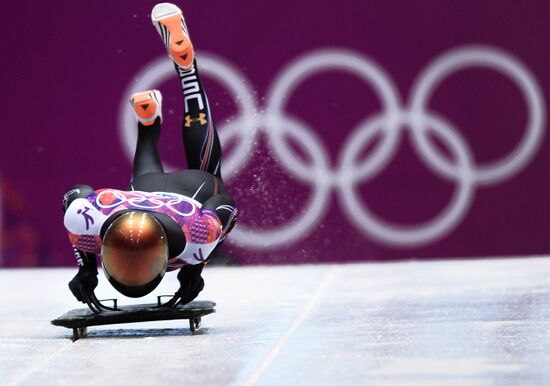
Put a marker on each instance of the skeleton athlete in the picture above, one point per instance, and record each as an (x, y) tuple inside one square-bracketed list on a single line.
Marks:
[(165, 221)]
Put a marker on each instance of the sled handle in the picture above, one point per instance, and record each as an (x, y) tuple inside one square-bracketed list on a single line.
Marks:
[(95, 305), (173, 302)]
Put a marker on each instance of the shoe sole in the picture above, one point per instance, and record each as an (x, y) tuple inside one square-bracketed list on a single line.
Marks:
[(147, 106), (169, 21)]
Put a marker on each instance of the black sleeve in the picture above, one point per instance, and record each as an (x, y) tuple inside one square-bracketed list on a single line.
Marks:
[(86, 261), (77, 191)]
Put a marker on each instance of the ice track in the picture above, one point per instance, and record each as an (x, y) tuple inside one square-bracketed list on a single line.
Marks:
[(477, 322)]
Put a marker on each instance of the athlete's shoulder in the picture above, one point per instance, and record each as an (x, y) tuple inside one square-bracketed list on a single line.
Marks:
[(77, 191), (83, 215), (83, 218)]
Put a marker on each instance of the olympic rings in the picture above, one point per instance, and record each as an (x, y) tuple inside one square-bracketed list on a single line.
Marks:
[(148, 201), (390, 124)]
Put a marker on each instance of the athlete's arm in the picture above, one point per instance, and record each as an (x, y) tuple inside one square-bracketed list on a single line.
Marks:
[(191, 282), (189, 276), (85, 281), (82, 219)]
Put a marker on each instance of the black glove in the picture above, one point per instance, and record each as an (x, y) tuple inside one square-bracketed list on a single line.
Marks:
[(191, 282), (85, 280), (83, 284)]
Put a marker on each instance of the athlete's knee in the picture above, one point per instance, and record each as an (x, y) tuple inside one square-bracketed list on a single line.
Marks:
[(77, 191)]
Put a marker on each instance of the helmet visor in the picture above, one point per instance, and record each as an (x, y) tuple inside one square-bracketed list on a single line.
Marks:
[(135, 253)]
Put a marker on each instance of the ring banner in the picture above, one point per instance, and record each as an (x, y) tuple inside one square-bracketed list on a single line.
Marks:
[(343, 139)]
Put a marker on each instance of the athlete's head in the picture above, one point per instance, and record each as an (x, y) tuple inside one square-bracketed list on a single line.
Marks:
[(135, 253)]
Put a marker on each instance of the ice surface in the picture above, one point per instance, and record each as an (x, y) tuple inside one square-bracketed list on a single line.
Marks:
[(477, 322)]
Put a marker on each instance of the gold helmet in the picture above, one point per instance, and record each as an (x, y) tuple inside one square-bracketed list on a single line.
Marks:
[(135, 253)]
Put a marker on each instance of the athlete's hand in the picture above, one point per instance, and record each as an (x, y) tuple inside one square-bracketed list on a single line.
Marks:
[(191, 282), (83, 284)]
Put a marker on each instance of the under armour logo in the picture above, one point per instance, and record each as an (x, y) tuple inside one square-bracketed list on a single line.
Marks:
[(89, 219), (201, 119)]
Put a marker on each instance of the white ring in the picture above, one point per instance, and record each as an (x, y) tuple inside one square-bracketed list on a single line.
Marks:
[(306, 222), (330, 59), (420, 234), (318, 170), (497, 60), (348, 171), (293, 230)]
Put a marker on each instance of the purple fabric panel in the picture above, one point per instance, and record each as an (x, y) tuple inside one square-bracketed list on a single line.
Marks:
[(347, 168)]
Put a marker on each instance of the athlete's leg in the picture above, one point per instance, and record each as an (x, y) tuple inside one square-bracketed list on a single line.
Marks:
[(200, 138), (201, 141), (147, 108)]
